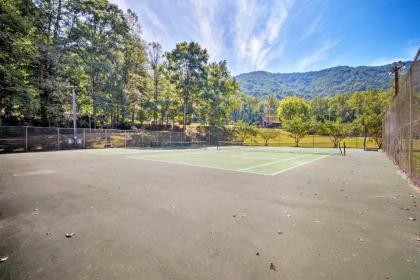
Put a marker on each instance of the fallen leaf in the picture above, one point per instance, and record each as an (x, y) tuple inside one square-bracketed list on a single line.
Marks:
[(257, 254), (412, 219), (406, 209), (234, 215), (317, 221), (361, 240), (48, 233), (272, 266), (288, 215), (280, 232), (3, 259), (36, 209), (70, 235)]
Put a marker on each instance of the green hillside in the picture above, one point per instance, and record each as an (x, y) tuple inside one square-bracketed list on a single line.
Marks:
[(327, 82)]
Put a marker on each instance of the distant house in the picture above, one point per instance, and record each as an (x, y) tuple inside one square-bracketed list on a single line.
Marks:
[(270, 122)]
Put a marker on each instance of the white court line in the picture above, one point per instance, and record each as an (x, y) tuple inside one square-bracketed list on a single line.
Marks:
[(196, 165), (303, 163), (226, 169), (270, 163)]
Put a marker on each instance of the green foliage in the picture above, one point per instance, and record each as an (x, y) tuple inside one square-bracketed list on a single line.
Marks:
[(47, 46), (268, 134), (293, 107), (187, 63), (336, 131), (298, 127), (244, 130), (219, 95), (327, 82)]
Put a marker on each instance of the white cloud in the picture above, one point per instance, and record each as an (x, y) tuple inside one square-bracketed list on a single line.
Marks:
[(205, 27), (320, 54), (313, 27), (257, 30)]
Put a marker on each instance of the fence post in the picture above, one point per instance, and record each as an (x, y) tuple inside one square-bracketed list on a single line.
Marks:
[(125, 139), (410, 123), (313, 141), (58, 138), (84, 138), (26, 138), (106, 139)]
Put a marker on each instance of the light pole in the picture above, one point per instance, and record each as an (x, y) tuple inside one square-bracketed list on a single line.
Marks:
[(74, 113)]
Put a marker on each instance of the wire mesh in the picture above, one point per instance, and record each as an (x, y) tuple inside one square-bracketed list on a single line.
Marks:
[(401, 127)]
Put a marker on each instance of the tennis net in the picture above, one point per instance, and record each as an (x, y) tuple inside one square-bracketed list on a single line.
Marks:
[(179, 144), (240, 146)]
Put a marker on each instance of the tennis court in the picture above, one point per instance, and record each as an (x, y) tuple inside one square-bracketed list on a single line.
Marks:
[(206, 213), (258, 160)]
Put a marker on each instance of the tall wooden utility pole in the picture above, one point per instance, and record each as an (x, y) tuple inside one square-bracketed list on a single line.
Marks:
[(395, 71)]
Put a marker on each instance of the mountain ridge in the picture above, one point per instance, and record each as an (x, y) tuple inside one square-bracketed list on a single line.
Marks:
[(324, 82)]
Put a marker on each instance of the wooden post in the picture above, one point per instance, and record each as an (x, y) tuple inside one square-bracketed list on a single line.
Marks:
[(58, 138)]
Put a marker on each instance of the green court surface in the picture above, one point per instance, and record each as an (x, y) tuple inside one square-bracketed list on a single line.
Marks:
[(257, 160)]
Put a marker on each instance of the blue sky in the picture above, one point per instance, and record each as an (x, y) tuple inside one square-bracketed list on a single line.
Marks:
[(285, 35)]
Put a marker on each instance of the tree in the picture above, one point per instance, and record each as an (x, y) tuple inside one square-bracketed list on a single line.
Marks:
[(188, 65), (249, 109), (371, 114), (18, 55), (292, 107), (298, 128), (272, 105), (98, 38), (155, 56), (336, 131), (267, 134), (294, 112), (244, 130), (219, 98)]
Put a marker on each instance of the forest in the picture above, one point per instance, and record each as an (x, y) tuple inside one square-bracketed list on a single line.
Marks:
[(50, 48)]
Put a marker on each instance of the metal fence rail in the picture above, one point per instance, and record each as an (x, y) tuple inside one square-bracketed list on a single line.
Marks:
[(401, 126)]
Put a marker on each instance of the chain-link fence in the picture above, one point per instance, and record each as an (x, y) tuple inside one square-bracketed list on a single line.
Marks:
[(401, 133), (29, 139)]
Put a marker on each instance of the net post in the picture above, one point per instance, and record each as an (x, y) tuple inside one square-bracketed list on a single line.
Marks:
[(344, 148), (313, 141)]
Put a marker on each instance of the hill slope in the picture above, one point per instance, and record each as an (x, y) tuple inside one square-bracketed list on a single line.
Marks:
[(327, 82)]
